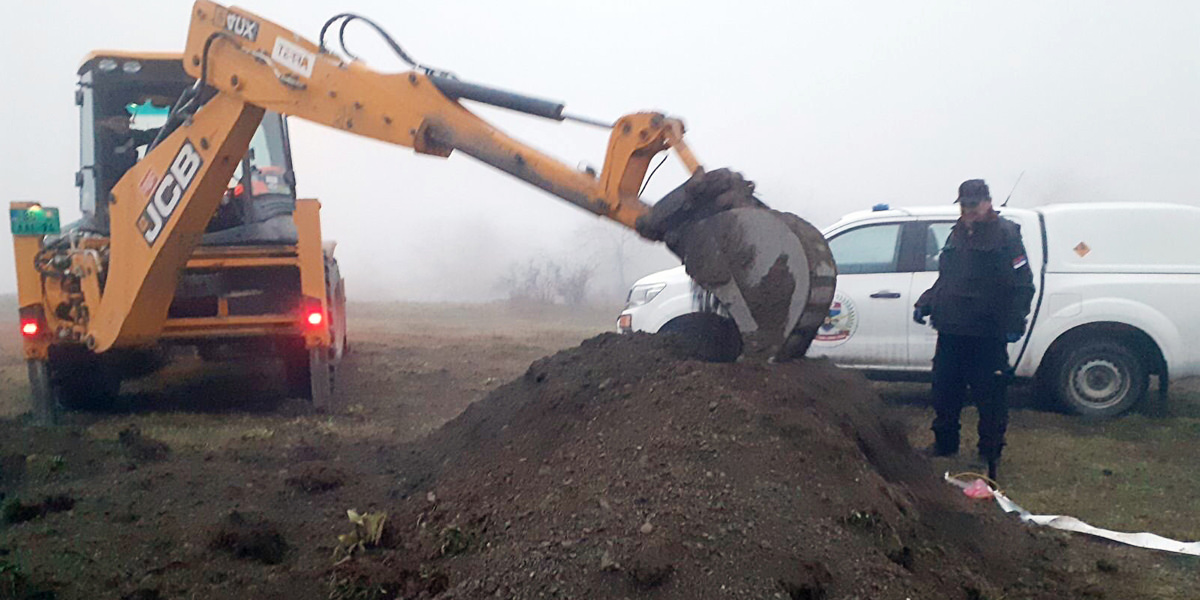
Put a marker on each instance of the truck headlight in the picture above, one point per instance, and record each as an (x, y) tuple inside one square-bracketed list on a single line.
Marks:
[(641, 294)]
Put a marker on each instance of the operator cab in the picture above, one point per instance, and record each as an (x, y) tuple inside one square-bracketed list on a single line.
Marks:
[(124, 100)]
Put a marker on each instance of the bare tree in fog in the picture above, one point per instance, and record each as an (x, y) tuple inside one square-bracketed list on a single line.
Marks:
[(621, 258), (613, 246), (546, 281)]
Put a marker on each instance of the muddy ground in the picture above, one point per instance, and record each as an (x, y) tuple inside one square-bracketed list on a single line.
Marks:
[(624, 471)]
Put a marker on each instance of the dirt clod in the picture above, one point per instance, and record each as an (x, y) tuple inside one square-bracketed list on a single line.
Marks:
[(16, 511), (651, 567), (808, 582), (317, 477), (250, 536), (141, 448)]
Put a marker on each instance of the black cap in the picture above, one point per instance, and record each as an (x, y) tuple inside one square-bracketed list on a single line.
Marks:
[(973, 191)]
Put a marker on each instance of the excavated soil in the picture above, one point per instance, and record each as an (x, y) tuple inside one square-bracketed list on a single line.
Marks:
[(619, 468), (616, 469)]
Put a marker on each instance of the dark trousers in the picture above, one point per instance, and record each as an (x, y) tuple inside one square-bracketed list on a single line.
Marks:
[(979, 363)]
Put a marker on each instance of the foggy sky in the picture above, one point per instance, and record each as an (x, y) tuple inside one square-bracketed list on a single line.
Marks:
[(828, 106)]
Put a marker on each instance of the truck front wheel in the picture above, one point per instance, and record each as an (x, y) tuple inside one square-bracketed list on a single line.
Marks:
[(706, 336), (1099, 378)]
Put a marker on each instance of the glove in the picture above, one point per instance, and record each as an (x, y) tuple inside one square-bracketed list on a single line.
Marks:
[(1017, 333), (919, 315)]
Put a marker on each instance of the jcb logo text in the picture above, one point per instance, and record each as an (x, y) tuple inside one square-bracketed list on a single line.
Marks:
[(175, 182)]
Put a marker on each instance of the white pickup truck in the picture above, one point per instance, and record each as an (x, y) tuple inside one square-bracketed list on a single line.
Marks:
[(1118, 299)]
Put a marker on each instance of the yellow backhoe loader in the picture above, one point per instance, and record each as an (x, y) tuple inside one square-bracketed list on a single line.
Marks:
[(192, 234)]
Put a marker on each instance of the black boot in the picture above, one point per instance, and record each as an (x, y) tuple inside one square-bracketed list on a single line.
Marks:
[(989, 454)]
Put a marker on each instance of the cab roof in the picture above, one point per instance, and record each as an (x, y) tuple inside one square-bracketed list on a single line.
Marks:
[(884, 211), (94, 56)]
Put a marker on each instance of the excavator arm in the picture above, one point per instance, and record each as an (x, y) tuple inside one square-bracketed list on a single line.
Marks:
[(771, 269)]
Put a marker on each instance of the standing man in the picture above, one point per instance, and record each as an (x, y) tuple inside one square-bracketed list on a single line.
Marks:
[(978, 305)]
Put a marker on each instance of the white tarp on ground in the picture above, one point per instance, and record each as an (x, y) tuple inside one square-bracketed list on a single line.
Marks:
[(1142, 540)]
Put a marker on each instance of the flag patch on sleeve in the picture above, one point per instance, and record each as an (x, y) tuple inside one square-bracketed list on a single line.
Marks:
[(1019, 262)]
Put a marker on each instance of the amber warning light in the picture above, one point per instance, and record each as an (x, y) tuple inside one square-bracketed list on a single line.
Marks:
[(625, 323)]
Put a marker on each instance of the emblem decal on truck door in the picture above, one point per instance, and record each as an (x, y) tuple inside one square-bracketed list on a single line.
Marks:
[(841, 323), (170, 190)]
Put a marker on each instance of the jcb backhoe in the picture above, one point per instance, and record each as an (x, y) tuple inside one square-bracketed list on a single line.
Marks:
[(192, 233)]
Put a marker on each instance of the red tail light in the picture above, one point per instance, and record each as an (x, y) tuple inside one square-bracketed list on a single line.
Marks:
[(33, 321), (312, 313), (315, 318), (29, 328)]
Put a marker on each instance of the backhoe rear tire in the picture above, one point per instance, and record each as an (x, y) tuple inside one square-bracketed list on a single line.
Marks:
[(44, 404), (320, 373), (309, 374), (81, 380)]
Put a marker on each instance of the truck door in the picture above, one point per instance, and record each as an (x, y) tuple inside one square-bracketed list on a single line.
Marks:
[(922, 339), (866, 326)]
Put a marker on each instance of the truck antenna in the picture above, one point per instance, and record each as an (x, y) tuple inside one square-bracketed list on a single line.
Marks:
[(1014, 188)]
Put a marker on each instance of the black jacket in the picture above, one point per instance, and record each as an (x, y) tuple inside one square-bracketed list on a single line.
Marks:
[(984, 285)]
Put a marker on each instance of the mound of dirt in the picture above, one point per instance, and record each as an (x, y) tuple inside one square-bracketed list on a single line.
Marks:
[(621, 468), (250, 536)]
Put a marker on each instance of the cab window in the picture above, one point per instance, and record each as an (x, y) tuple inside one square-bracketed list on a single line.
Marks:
[(935, 239), (870, 249)]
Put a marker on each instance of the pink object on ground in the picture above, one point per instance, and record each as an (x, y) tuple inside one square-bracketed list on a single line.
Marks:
[(978, 489)]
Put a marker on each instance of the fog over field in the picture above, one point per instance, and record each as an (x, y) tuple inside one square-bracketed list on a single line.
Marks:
[(829, 107)]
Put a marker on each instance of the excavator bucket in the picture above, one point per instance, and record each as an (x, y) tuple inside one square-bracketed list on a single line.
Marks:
[(772, 270)]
